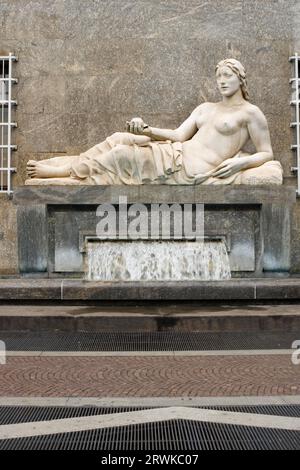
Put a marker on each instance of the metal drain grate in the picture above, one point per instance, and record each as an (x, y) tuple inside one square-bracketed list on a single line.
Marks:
[(24, 414), (144, 341), (171, 435)]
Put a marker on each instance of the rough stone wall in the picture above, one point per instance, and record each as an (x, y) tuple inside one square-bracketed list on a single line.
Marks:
[(86, 66)]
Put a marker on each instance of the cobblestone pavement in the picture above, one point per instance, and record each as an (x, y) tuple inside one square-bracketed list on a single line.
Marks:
[(140, 376)]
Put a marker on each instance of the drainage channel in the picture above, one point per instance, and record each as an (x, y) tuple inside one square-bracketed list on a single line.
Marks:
[(24, 414), (170, 435), (146, 341)]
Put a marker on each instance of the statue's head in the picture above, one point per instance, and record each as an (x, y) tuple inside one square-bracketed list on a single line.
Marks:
[(235, 67)]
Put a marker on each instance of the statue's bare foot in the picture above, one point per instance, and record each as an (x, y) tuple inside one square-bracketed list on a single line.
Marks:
[(31, 168), (41, 170)]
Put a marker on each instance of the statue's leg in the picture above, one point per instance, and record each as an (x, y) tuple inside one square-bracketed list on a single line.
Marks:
[(118, 138), (60, 167), (121, 165), (50, 166), (108, 162), (101, 157), (37, 170), (57, 161)]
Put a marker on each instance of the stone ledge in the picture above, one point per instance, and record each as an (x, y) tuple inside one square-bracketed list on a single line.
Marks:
[(77, 290), (278, 290), (194, 290), (30, 289), (238, 194), (112, 316)]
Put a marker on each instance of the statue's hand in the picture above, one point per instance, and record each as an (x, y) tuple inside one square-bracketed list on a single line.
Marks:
[(230, 167), (136, 126)]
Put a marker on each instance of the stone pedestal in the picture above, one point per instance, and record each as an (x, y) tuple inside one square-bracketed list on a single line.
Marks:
[(54, 223)]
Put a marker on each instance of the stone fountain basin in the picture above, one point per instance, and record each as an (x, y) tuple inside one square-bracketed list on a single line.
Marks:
[(55, 223)]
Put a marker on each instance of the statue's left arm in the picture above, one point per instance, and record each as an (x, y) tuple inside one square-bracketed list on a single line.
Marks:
[(259, 134)]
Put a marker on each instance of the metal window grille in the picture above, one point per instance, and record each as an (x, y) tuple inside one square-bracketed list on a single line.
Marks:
[(7, 122), (295, 102)]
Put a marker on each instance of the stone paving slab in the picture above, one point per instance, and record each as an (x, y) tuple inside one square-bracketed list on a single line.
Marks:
[(150, 376), (117, 402)]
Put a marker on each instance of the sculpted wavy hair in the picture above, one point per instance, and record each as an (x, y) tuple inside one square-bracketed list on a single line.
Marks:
[(239, 70)]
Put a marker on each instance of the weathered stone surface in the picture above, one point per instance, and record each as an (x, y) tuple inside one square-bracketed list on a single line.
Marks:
[(8, 237), (39, 58), (104, 57), (295, 237), (25, 19), (151, 19), (67, 226), (157, 291), (277, 229), (30, 289), (87, 94), (235, 289), (268, 19), (239, 225), (114, 316), (33, 239), (41, 133), (41, 95), (52, 133), (278, 289), (147, 194)]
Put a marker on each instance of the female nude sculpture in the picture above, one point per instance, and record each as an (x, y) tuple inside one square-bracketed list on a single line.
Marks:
[(207, 148)]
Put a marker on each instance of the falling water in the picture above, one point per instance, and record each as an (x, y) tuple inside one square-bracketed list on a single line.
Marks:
[(157, 261)]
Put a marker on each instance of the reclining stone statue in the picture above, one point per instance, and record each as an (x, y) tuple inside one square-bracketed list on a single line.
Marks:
[(207, 148)]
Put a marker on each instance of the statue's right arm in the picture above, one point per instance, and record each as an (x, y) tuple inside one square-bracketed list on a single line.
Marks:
[(184, 132)]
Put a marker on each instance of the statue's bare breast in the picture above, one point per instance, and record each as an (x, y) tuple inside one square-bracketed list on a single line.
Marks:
[(221, 134)]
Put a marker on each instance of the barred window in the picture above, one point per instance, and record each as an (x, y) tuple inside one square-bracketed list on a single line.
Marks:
[(7, 122), (295, 124)]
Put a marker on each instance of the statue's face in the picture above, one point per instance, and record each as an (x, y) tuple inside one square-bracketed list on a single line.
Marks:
[(228, 82)]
